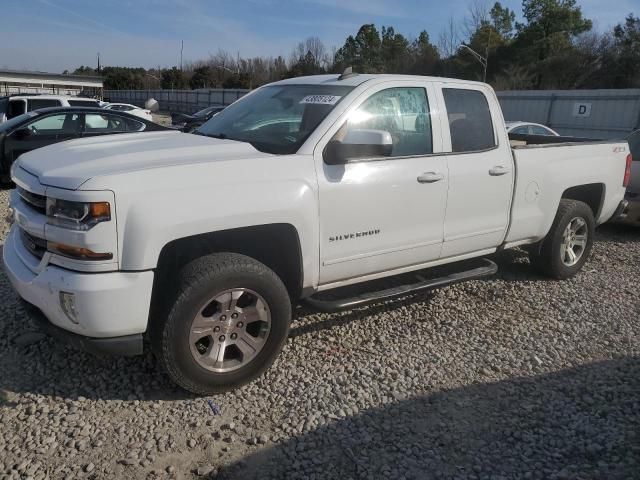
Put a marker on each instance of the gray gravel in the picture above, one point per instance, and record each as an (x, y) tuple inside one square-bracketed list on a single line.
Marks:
[(511, 377)]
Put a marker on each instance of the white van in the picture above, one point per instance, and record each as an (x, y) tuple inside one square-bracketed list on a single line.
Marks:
[(15, 105)]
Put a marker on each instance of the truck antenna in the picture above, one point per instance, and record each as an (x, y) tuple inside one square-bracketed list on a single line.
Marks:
[(348, 73)]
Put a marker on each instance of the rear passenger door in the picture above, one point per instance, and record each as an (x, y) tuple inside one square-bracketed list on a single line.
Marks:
[(480, 171)]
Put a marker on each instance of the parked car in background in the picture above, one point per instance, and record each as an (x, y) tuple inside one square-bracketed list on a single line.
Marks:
[(15, 105), (527, 128), (632, 213), (43, 127), (131, 109), (188, 123), (203, 242)]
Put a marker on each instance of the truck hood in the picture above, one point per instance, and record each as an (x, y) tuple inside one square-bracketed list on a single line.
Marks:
[(70, 164)]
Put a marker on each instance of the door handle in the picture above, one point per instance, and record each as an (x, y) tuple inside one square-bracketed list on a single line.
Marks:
[(430, 177), (498, 170)]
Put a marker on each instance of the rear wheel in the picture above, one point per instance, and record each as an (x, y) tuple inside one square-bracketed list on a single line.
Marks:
[(568, 244), (227, 325)]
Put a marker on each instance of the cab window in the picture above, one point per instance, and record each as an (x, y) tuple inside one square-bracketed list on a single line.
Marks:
[(64, 123), (105, 123), (37, 103), (16, 107), (470, 121), (403, 112)]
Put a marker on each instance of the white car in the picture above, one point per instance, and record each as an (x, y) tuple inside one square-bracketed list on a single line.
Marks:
[(203, 242), (15, 105), (528, 128), (131, 109)]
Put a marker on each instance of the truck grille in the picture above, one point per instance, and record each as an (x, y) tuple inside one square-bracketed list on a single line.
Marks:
[(37, 246), (35, 201)]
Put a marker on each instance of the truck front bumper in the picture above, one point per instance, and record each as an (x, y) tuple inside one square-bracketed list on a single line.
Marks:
[(109, 310)]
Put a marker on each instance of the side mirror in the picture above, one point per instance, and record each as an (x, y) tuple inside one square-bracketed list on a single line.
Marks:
[(358, 144), (22, 133)]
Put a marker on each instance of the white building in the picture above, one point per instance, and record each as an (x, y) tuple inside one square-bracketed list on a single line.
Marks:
[(12, 81)]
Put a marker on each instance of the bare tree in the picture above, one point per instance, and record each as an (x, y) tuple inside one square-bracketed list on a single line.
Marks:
[(449, 39), (478, 14)]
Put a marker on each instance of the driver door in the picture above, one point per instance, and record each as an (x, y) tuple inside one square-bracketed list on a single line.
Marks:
[(380, 214), (42, 132)]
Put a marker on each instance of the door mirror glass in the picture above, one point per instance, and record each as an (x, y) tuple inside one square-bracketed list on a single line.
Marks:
[(358, 144)]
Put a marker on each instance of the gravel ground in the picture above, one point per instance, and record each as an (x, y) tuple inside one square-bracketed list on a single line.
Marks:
[(511, 377)]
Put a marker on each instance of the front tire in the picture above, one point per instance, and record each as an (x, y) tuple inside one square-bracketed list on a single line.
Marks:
[(567, 246), (227, 325)]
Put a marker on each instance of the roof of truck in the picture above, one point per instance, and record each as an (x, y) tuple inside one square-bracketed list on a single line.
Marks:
[(359, 78)]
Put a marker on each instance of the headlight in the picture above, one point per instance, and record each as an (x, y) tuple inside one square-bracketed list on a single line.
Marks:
[(77, 215)]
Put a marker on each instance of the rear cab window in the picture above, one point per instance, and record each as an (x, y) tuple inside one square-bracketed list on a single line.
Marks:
[(470, 121), (37, 103), (84, 103)]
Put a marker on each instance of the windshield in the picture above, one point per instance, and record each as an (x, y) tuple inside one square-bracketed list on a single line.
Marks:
[(9, 124), (276, 119)]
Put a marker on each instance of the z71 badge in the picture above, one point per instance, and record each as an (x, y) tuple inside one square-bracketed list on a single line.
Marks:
[(349, 236)]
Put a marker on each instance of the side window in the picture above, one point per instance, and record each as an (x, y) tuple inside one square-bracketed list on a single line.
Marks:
[(83, 103), (134, 126), (36, 103), (469, 120), (521, 130), (16, 108), (68, 123), (536, 130), (106, 123), (403, 112)]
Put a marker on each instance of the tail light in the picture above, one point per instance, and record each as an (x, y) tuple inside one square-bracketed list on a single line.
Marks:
[(627, 172)]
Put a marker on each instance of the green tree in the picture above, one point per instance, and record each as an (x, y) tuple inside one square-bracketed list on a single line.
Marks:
[(424, 55), (202, 77), (173, 79), (395, 56), (626, 38), (362, 52), (502, 20), (545, 41)]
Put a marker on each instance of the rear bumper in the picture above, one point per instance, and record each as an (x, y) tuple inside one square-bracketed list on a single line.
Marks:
[(629, 214)]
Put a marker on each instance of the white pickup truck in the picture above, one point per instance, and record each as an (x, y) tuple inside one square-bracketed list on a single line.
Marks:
[(203, 241)]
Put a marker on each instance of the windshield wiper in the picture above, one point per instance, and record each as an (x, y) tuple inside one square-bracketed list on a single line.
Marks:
[(221, 136)]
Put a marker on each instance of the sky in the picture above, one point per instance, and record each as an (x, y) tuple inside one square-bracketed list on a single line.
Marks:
[(54, 35)]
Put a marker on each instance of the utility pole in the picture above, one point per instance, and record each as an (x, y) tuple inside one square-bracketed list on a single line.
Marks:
[(181, 49), (98, 62)]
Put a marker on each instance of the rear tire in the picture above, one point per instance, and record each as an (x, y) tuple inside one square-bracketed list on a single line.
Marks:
[(227, 325), (568, 244)]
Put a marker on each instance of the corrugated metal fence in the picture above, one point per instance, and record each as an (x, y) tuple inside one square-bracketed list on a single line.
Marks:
[(605, 114), (185, 101), (583, 113)]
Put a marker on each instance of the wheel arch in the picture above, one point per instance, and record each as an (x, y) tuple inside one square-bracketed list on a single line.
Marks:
[(275, 245), (592, 194)]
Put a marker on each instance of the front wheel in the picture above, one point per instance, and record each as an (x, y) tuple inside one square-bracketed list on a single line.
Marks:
[(227, 325), (568, 244)]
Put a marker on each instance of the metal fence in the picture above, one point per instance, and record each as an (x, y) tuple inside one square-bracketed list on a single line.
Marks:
[(605, 114), (584, 113), (184, 101)]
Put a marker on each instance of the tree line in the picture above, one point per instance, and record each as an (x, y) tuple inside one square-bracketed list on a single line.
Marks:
[(554, 47)]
